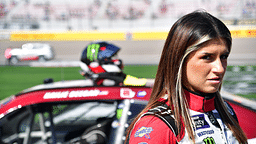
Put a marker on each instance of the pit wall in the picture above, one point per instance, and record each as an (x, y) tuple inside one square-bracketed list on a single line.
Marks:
[(243, 32)]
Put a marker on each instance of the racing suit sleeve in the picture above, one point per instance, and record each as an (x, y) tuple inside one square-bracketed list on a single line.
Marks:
[(151, 130)]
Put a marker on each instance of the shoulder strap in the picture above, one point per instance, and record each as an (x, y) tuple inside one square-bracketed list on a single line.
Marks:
[(164, 113)]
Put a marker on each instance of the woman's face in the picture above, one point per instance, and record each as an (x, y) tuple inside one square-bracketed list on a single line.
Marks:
[(204, 69)]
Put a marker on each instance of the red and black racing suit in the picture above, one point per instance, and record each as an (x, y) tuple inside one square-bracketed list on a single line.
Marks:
[(209, 128)]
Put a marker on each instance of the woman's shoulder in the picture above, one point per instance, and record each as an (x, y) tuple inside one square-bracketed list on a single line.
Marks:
[(152, 129)]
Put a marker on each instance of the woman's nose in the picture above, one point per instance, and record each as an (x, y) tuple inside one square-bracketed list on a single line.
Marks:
[(219, 66)]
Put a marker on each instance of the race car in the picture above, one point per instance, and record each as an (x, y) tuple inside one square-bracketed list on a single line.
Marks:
[(29, 52), (71, 112), (77, 111)]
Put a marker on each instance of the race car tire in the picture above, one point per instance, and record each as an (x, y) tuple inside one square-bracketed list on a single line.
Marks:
[(41, 59), (14, 60)]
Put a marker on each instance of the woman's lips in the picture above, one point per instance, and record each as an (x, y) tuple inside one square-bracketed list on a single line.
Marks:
[(215, 80)]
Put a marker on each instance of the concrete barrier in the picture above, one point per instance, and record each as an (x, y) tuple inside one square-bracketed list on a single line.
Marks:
[(240, 32)]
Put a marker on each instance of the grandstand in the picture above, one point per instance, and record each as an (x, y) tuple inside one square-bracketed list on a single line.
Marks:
[(118, 14)]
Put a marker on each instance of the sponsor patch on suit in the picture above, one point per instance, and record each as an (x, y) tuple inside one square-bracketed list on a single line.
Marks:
[(143, 132), (200, 121)]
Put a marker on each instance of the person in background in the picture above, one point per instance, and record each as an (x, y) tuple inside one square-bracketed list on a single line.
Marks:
[(185, 104), (99, 63)]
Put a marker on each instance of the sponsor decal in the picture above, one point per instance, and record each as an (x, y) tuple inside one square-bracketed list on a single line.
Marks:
[(50, 95), (74, 94), (92, 51), (143, 132), (200, 121), (84, 93), (141, 93), (115, 124), (119, 113), (128, 36), (209, 140), (127, 93), (120, 106), (205, 133), (251, 32)]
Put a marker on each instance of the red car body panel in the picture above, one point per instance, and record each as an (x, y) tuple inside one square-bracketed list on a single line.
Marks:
[(246, 118), (29, 58), (74, 94)]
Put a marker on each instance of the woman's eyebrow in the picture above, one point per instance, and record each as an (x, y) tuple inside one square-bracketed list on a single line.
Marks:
[(227, 52), (206, 53), (209, 53)]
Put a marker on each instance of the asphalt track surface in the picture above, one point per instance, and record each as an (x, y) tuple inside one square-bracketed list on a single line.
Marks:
[(136, 52)]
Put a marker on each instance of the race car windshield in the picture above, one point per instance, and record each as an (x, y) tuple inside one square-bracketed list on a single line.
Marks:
[(83, 113), (70, 120)]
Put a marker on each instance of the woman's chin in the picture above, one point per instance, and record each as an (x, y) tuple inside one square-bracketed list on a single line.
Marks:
[(210, 90)]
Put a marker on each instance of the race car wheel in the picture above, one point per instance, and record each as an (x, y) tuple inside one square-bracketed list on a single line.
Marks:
[(41, 59), (14, 60)]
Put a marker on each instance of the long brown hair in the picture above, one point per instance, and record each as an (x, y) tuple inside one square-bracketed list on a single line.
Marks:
[(187, 35)]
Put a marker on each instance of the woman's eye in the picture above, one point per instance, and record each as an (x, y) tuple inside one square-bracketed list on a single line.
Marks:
[(206, 57), (224, 57)]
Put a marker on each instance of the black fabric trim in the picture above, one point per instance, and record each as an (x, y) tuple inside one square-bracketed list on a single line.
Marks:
[(206, 96), (164, 113), (231, 111)]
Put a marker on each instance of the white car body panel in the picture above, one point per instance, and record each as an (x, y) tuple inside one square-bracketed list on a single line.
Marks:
[(30, 50)]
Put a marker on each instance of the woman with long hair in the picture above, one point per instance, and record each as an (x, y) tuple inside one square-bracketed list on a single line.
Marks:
[(185, 104)]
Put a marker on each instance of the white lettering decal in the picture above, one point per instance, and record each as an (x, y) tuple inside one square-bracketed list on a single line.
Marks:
[(84, 93), (50, 95), (74, 94), (103, 93)]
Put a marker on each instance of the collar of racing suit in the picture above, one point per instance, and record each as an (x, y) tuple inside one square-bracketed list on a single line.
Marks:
[(196, 101), (200, 103)]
